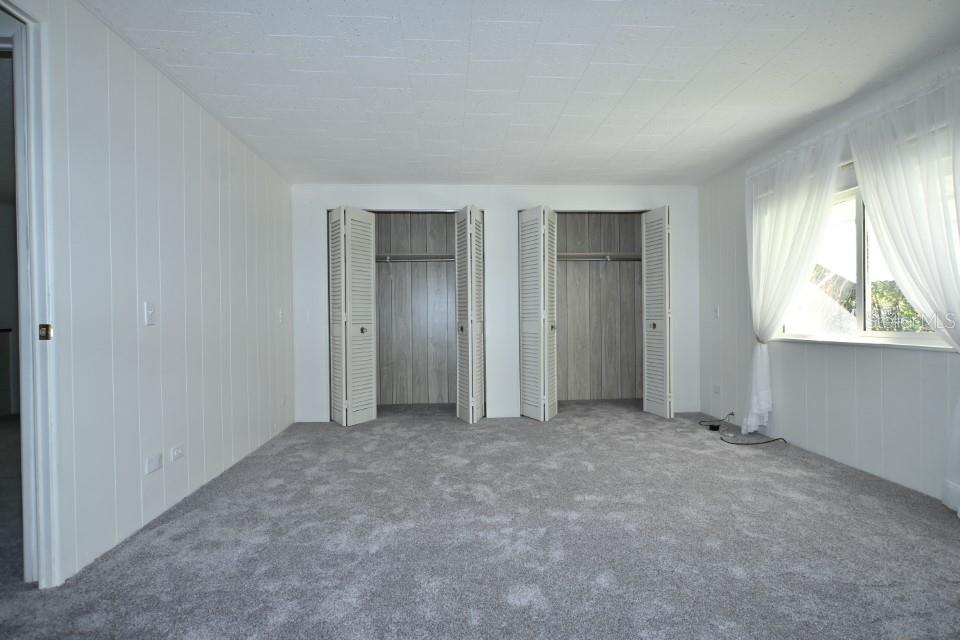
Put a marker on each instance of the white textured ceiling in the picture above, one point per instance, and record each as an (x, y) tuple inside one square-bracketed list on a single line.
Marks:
[(523, 91)]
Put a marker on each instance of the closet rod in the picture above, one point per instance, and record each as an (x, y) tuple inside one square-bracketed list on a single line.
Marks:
[(600, 257), (416, 258), (409, 211)]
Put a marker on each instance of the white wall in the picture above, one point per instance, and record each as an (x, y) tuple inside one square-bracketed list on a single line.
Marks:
[(883, 410), (501, 204), (151, 199)]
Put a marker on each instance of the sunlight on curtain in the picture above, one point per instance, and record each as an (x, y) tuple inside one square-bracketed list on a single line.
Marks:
[(907, 164), (787, 207)]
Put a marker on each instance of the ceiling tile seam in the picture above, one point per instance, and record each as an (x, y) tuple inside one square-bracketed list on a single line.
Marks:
[(146, 30), (161, 70), (463, 89), (524, 76), (213, 12), (660, 110), (769, 61), (362, 16), (593, 57)]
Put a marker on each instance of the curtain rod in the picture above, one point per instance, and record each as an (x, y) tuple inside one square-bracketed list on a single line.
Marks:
[(600, 257), (599, 211), (412, 210)]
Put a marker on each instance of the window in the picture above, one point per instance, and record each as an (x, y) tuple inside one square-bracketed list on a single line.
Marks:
[(887, 309), (826, 304), (851, 294)]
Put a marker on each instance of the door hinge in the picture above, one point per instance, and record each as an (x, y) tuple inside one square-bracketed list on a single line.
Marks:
[(45, 332)]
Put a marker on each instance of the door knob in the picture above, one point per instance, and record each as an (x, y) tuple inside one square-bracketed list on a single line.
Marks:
[(653, 325), (363, 329), (461, 328), (553, 327)]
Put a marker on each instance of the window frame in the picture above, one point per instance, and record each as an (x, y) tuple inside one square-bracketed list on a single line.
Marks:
[(864, 336)]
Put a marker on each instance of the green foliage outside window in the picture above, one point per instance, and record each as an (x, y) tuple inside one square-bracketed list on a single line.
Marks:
[(889, 308)]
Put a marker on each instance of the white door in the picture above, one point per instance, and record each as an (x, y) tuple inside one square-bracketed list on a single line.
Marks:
[(353, 331), (657, 375), (538, 313), (336, 252), (550, 311), (471, 360)]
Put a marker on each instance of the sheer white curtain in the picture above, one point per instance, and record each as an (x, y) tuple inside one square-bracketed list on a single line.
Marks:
[(787, 206), (908, 166)]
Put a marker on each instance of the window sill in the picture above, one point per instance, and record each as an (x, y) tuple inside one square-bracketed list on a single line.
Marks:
[(921, 343)]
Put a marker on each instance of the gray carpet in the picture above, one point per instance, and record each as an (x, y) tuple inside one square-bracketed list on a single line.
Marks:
[(604, 523)]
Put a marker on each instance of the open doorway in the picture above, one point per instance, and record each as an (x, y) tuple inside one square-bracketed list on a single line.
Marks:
[(406, 313), (416, 310), (11, 484), (594, 309)]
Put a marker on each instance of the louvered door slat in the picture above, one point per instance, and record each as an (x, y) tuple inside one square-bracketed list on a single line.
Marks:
[(471, 361), (464, 361), (361, 301), (531, 313), (657, 375), (336, 287), (550, 308), (477, 314)]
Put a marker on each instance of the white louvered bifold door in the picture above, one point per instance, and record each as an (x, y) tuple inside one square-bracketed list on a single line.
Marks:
[(361, 309), (335, 241), (471, 361), (657, 377), (532, 392), (478, 378), (550, 311), (464, 361)]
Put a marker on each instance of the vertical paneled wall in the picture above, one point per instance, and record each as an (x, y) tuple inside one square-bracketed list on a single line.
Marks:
[(880, 409), (153, 201), (416, 318), (885, 411), (599, 333)]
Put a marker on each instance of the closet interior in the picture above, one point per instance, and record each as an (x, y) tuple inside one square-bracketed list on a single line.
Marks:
[(594, 308), (416, 308), (406, 311), (599, 306)]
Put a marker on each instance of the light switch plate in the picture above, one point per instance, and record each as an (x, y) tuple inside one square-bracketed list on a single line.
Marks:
[(153, 463), (176, 453), (149, 314)]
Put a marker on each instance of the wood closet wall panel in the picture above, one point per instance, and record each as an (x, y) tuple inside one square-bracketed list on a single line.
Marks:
[(437, 319), (419, 311), (451, 270), (600, 354), (562, 353), (415, 310), (630, 317)]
